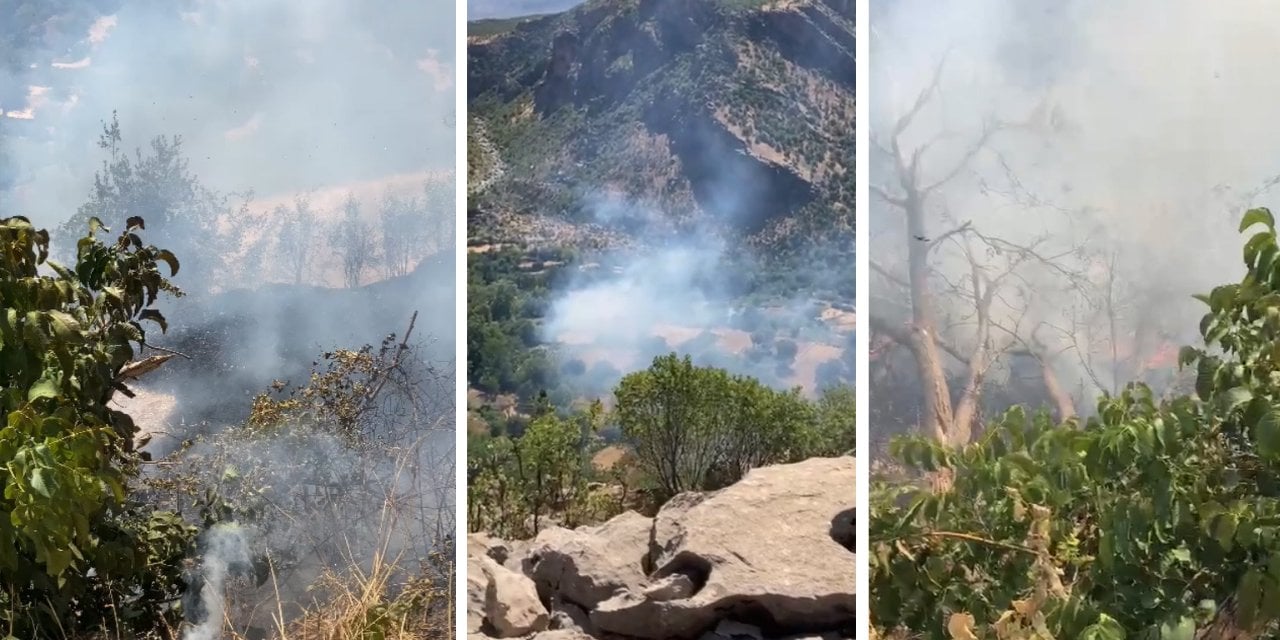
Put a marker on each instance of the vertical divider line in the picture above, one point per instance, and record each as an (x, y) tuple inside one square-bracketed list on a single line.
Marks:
[(460, 122), (862, 440)]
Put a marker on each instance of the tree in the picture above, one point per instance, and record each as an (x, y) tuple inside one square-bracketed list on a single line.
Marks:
[(834, 424), (403, 230), (159, 186), (991, 263), (696, 428), (438, 203), (550, 458), (296, 242), (353, 238), (77, 552)]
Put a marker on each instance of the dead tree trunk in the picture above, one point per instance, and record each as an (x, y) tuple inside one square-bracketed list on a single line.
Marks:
[(937, 397)]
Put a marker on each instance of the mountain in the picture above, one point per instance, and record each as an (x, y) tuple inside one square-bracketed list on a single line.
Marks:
[(501, 9), (732, 114)]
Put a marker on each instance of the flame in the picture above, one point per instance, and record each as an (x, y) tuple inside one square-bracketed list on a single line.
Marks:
[(1165, 357)]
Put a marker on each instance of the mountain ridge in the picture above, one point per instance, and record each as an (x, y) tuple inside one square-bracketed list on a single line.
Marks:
[(725, 113)]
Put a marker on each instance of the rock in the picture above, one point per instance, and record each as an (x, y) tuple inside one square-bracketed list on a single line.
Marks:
[(561, 634), (477, 587), (769, 557), (485, 544), (762, 550), (589, 565), (566, 615), (730, 630), (673, 587), (511, 605)]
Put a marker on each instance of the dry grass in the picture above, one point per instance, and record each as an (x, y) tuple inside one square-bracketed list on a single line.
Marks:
[(361, 606)]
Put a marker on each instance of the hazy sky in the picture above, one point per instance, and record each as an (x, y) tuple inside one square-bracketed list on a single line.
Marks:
[(271, 95), (483, 9)]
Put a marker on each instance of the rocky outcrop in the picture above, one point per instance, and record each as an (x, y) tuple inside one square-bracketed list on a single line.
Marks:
[(769, 557), (740, 113)]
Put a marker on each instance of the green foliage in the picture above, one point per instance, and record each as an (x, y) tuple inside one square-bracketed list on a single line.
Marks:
[(688, 428), (1155, 517), (75, 552), (504, 308), (514, 484), (697, 428)]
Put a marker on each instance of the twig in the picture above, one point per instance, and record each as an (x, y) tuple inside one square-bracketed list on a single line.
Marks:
[(176, 353), (967, 537)]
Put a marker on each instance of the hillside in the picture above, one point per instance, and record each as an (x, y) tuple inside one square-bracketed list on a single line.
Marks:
[(660, 231), (648, 176), (726, 114)]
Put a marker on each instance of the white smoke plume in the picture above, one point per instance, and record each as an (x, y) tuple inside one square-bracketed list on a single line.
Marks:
[(1138, 129), (224, 547)]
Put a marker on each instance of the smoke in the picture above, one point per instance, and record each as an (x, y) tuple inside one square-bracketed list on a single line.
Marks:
[(271, 100), (689, 290), (224, 548), (1136, 132), (272, 96)]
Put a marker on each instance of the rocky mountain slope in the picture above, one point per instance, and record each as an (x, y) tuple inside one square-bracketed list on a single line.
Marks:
[(732, 113), (769, 557)]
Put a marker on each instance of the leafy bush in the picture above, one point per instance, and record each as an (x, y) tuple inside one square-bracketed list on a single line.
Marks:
[(77, 552), (1150, 520), (695, 428)]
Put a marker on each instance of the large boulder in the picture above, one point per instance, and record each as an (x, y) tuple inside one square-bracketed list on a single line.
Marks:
[(500, 602), (762, 551), (589, 565), (769, 557)]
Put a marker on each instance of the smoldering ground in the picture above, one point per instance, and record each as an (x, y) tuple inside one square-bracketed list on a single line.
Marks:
[(1126, 139)]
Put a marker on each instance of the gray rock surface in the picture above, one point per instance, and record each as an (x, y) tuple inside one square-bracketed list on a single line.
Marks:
[(511, 604), (769, 557)]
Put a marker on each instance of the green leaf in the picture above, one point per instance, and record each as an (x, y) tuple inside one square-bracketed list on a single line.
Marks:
[(39, 484), (1106, 628), (1266, 432), (156, 317), (1182, 628), (1254, 246), (1236, 397), (168, 258), (43, 388), (1224, 530), (1261, 215), (1187, 355), (1205, 371), (1249, 598), (57, 560)]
